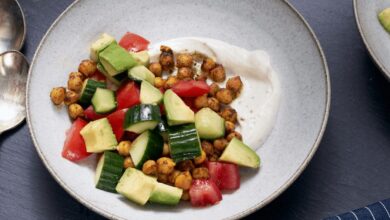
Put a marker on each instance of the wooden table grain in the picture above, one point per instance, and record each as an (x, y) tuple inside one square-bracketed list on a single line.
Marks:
[(350, 169)]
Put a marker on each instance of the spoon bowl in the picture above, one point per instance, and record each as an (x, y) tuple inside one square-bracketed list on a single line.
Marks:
[(13, 76), (12, 26)]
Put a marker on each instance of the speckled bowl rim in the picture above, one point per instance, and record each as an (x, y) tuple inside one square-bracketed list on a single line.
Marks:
[(244, 213), (371, 51)]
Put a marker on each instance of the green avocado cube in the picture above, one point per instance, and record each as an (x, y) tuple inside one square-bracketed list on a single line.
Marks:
[(384, 19), (116, 59)]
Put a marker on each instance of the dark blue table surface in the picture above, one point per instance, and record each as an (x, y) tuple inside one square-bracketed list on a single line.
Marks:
[(350, 169)]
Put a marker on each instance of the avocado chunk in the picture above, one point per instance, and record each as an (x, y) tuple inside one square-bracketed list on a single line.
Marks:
[(150, 94), (116, 59), (384, 19), (166, 194), (177, 111), (100, 44), (141, 57), (238, 153), (98, 136), (140, 73), (209, 124)]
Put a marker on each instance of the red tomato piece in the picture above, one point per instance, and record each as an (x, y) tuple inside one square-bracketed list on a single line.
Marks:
[(191, 88), (128, 95), (225, 175), (133, 42), (128, 135), (98, 76), (74, 146), (189, 101), (91, 115), (116, 120), (204, 192)]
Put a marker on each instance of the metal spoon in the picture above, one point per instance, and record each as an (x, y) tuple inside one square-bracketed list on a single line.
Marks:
[(13, 76), (12, 26)]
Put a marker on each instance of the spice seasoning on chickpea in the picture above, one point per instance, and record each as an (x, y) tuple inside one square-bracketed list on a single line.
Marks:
[(75, 111), (225, 96), (208, 64), (57, 95), (208, 148), (185, 196), (172, 80), (159, 82), (70, 97), (213, 103), (184, 60), (123, 148), (229, 126), (156, 69), (200, 173), (235, 134), (183, 180), (75, 84), (185, 165), (149, 167), (201, 101), (165, 165), (234, 84), (76, 74), (229, 114), (128, 162), (166, 58), (201, 77), (87, 67), (214, 87), (200, 159), (173, 175), (217, 74), (185, 73), (163, 178), (220, 144)]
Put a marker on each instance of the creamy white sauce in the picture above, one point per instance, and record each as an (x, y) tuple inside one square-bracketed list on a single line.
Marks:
[(258, 104)]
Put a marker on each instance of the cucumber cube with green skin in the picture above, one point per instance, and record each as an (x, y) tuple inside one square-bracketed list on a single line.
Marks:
[(150, 94), (116, 59), (108, 171), (384, 19), (241, 154), (147, 146), (141, 73), (98, 136), (209, 124), (141, 57), (177, 111), (166, 194), (104, 41)]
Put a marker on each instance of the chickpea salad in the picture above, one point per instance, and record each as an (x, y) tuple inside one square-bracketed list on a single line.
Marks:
[(164, 129)]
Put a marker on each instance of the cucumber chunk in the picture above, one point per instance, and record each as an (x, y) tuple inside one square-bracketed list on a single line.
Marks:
[(104, 41), (140, 73), (184, 142), (103, 101), (239, 153), (101, 69), (116, 60), (166, 194), (141, 57), (150, 94), (147, 146), (89, 88), (141, 118), (98, 136), (177, 111), (108, 171), (209, 124)]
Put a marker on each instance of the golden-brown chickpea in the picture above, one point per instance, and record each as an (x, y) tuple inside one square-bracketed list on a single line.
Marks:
[(149, 167), (184, 60), (166, 58), (229, 126), (214, 158), (220, 144), (208, 64), (76, 74), (213, 103), (201, 101), (185, 73), (200, 159), (208, 148), (123, 148), (172, 80), (185, 165), (57, 95), (75, 84), (75, 110), (183, 180), (185, 196), (214, 87), (200, 173), (217, 74), (156, 69), (165, 165), (225, 96), (163, 178), (229, 114), (234, 134), (70, 97), (159, 82), (173, 175), (128, 162), (234, 84), (201, 77), (87, 67), (166, 150)]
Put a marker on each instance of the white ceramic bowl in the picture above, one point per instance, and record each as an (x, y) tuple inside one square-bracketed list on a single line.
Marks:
[(273, 26)]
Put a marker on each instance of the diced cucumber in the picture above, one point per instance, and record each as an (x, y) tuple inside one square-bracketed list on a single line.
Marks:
[(141, 57), (108, 171), (177, 111), (116, 60), (98, 136), (141, 118), (136, 186), (150, 94), (100, 44), (184, 142), (89, 88), (147, 146), (162, 128), (209, 124), (239, 153), (166, 194), (101, 69), (140, 73), (103, 101)]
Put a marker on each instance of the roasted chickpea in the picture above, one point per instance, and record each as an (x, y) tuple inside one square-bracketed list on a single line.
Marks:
[(220, 144), (185, 73), (185, 196), (213, 103), (165, 165), (76, 74), (201, 77), (173, 175), (229, 114), (225, 96), (163, 178), (201, 101), (123, 148), (208, 64), (214, 157), (75, 84), (159, 82), (156, 69), (184, 60), (128, 162), (183, 180), (229, 126), (200, 173), (149, 167), (166, 150), (214, 87), (57, 95), (87, 67), (70, 97), (234, 84), (200, 159), (234, 134), (208, 148), (75, 110), (217, 74), (172, 80), (166, 58), (185, 165)]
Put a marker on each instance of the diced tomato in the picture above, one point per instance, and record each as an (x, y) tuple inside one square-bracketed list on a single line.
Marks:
[(204, 192), (98, 76), (190, 88), (128, 135), (128, 95), (91, 115), (225, 175), (74, 146), (116, 120), (133, 42), (189, 101)]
